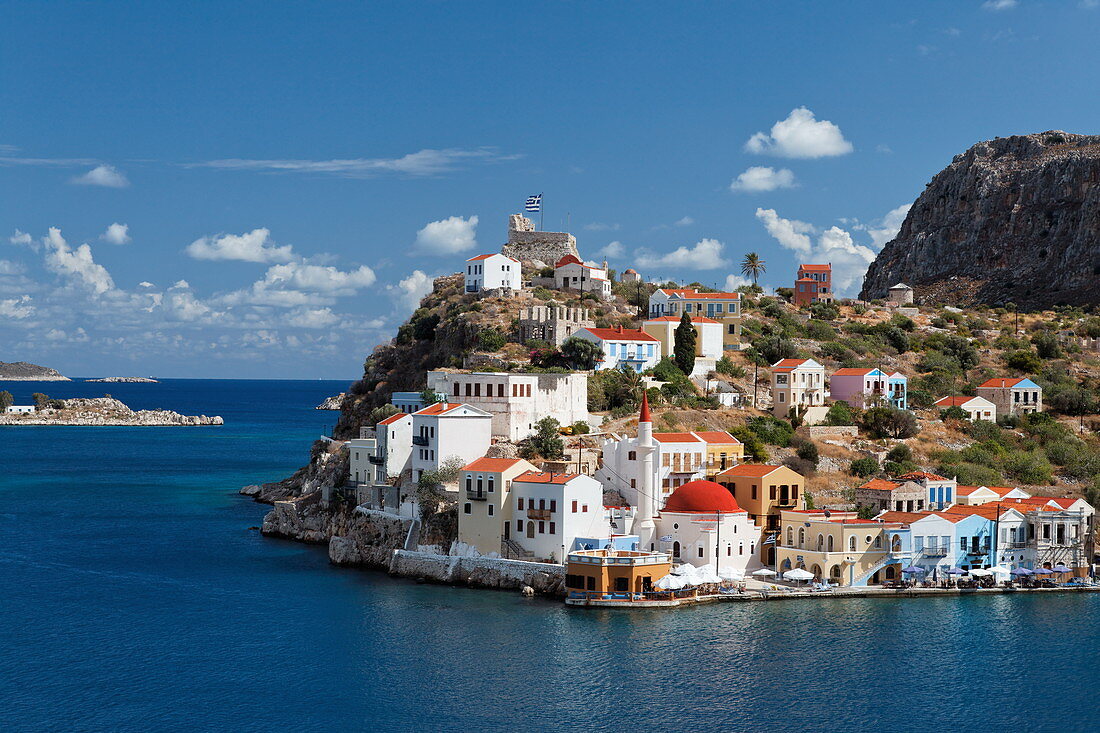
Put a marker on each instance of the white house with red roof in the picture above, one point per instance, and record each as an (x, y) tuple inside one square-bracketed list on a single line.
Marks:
[(624, 346), (976, 408), (702, 525), (493, 272), (975, 495), (725, 308), (448, 429), (797, 382), (708, 337), (551, 510), (574, 273), (485, 506), (1012, 396)]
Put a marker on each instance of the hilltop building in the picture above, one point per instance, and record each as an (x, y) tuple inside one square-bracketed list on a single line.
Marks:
[(900, 294), (797, 382), (552, 324), (976, 408), (517, 401), (1012, 396), (814, 284), (725, 308), (493, 272), (636, 349), (530, 246), (862, 388), (570, 272), (630, 275)]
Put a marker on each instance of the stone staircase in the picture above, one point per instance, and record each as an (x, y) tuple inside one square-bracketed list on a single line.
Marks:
[(512, 550)]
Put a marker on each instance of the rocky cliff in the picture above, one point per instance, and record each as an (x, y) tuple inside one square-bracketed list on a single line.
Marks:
[(104, 411), (21, 371), (1015, 219)]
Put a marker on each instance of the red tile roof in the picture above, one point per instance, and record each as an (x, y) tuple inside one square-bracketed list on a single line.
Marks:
[(569, 260), (716, 436), (853, 371), (917, 475), (536, 477), (438, 408), (485, 257), (393, 418), (815, 268), (880, 485), (904, 517), (749, 470), (692, 293), (953, 401), (617, 334), (784, 365), (676, 438), (1000, 383), (494, 465)]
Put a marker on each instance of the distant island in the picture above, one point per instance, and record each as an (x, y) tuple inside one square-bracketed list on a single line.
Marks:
[(134, 380), (100, 411), (21, 371)]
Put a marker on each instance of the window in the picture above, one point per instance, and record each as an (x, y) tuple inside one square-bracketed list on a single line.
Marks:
[(491, 510), (754, 491), (467, 389), (469, 482), (519, 503), (553, 505), (519, 525), (700, 550), (477, 389), (790, 536), (590, 583), (852, 543), (574, 507), (801, 536), (500, 390), (771, 492), (584, 509), (480, 484), (552, 530), (632, 455), (542, 503), (466, 508), (782, 397), (492, 480), (633, 483), (542, 527)]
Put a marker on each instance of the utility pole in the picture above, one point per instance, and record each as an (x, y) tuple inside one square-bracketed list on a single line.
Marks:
[(755, 383)]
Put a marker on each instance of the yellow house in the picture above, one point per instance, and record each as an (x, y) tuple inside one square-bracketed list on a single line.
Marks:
[(723, 451), (484, 509), (763, 491), (840, 547)]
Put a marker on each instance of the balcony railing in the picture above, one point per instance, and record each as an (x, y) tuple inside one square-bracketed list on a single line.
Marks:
[(542, 514), (376, 460), (1014, 545), (420, 440), (935, 551), (476, 495)]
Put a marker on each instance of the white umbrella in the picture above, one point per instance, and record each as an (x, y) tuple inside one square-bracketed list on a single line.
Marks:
[(731, 574), (980, 572), (798, 574), (762, 572), (669, 582), (707, 575), (1000, 570)]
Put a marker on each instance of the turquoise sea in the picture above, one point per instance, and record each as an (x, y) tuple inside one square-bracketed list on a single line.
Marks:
[(135, 597)]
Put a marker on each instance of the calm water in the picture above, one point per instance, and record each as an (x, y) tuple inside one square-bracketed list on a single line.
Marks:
[(133, 596)]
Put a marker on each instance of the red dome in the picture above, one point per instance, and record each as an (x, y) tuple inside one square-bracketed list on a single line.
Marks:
[(701, 496)]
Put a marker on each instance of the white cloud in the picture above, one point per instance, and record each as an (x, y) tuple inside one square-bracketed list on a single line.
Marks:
[(601, 227), (790, 233), (683, 222), (705, 255), (7, 267), (801, 135), (613, 249), (447, 236), (833, 246), (736, 281), (889, 227), (408, 292), (1090, 4), (117, 234), (21, 239), (996, 5), (761, 178), (18, 308), (75, 264), (299, 284), (254, 246), (312, 318), (426, 162), (102, 175)]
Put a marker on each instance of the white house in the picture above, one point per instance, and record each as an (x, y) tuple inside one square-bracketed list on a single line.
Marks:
[(636, 349), (975, 495), (551, 510), (394, 436), (708, 336), (571, 272), (491, 272), (517, 400), (20, 410), (701, 524), (976, 408), (798, 382), (448, 429), (485, 506)]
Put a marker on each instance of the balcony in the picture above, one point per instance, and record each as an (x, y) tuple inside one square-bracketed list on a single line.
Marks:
[(983, 550), (476, 495), (377, 460), (540, 514), (421, 440), (934, 552), (471, 288)]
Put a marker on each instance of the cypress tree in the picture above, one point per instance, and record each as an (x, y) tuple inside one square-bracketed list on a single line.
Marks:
[(684, 347)]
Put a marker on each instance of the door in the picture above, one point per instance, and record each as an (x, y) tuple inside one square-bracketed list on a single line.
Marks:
[(530, 530), (507, 530)]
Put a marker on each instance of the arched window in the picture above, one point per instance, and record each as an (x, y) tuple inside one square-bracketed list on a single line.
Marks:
[(740, 549), (895, 544), (834, 573), (820, 542), (801, 536), (878, 543), (829, 544), (790, 536), (852, 543)]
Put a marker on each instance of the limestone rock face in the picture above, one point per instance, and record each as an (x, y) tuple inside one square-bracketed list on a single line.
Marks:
[(105, 411), (1015, 219)]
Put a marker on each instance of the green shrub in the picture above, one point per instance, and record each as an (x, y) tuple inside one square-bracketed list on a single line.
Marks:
[(824, 311), (864, 467), (491, 340), (807, 451), (772, 430), (1023, 361), (887, 422), (820, 331), (954, 413), (840, 413), (726, 366), (755, 451), (542, 293), (899, 453)]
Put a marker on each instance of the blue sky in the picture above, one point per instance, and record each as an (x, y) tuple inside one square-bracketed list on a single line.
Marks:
[(284, 180)]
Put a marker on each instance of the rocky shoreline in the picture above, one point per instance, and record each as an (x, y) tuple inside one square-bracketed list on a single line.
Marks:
[(333, 403), (106, 411)]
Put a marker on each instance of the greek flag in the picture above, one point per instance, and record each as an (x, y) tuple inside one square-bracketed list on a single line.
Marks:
[(534, 203)]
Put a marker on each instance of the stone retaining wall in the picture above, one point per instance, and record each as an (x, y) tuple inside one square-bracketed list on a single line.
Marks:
[(825, 431), (480, 572)]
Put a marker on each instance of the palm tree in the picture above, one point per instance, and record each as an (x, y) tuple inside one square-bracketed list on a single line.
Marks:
[(752, 266)]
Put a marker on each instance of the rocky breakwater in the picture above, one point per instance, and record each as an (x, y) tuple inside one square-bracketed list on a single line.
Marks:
[(1015, 219), (105, 411)]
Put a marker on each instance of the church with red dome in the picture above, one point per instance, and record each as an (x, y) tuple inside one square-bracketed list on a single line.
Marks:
[(701, 524)]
